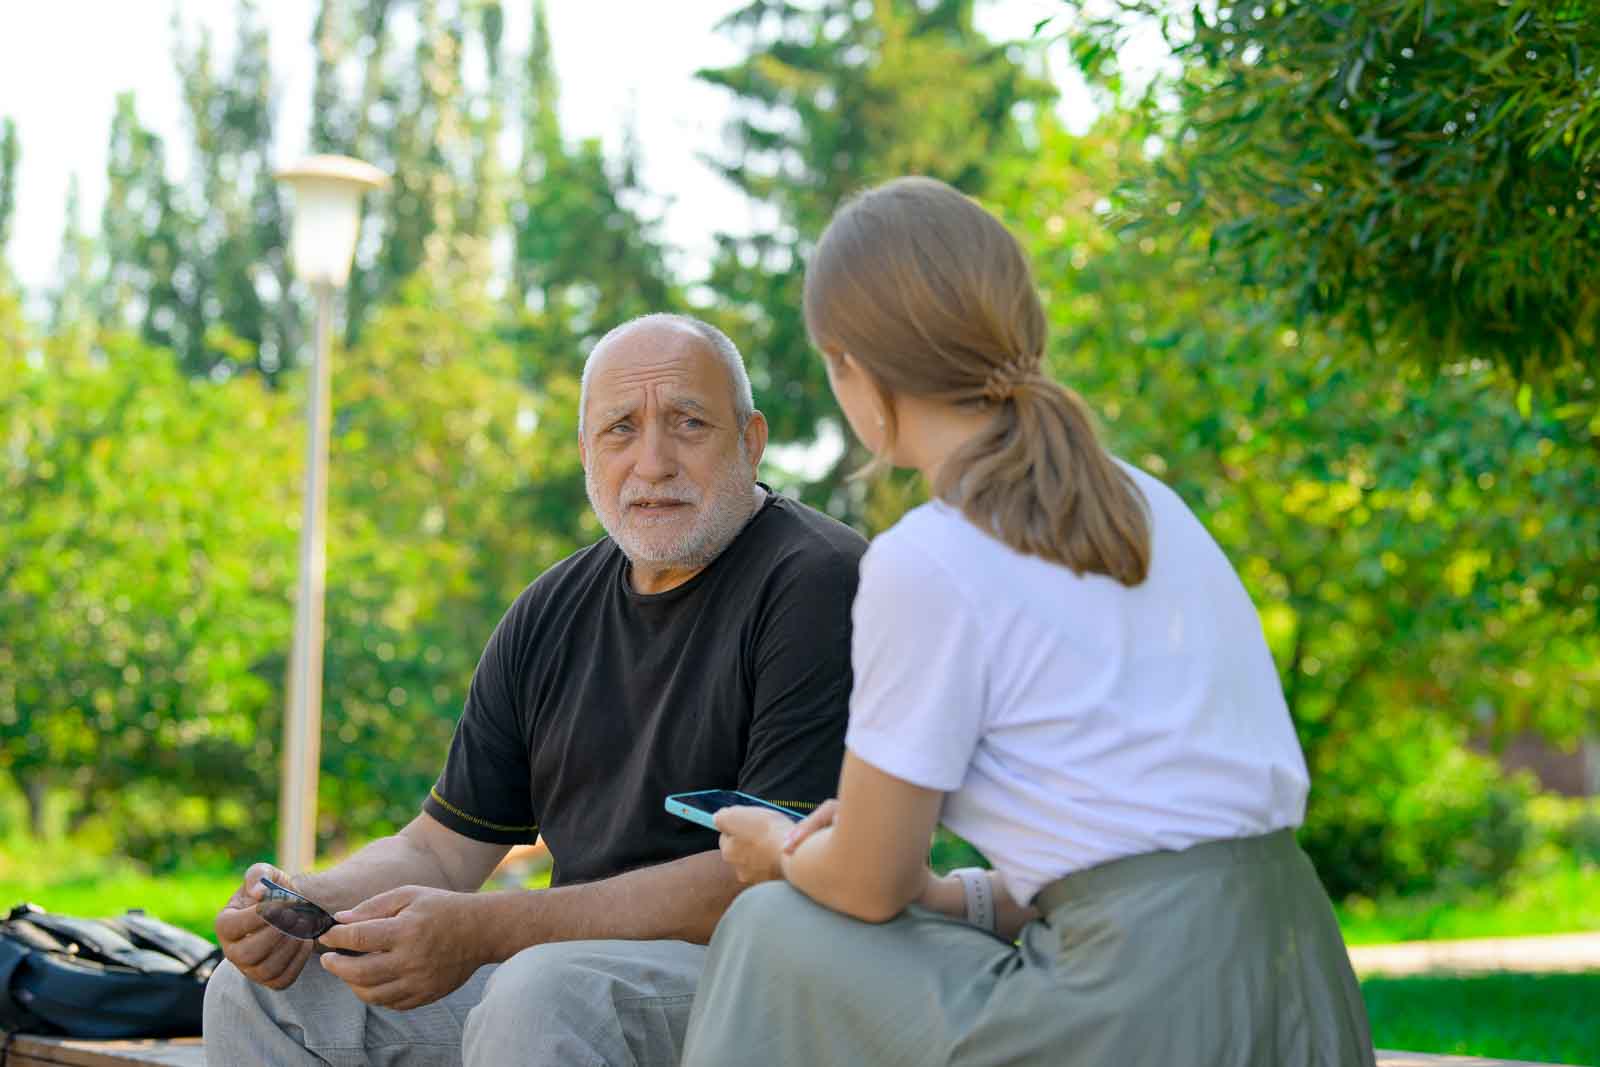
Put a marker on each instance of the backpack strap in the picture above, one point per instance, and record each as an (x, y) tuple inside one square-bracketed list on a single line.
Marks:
[(208, 964)]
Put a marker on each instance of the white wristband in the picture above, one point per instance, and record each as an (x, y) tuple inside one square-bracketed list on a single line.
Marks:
[(980, 896)]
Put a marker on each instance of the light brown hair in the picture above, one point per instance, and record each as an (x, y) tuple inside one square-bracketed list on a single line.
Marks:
[(932, 297)]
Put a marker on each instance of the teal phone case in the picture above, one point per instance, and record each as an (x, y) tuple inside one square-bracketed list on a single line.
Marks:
[(695, 814)]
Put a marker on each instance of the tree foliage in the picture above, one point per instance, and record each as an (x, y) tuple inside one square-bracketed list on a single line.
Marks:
[(238, 275), (832, 97), (585, 257), (1412, 539), (1429, 170), (10, 153), (145, 567), (197, 263), (148, 520)]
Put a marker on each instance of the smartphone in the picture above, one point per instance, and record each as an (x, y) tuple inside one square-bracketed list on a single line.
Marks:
[(700, 807)]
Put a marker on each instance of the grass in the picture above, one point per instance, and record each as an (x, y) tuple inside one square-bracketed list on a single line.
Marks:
[(1562, 898), (1547, 1018), (190, 899)]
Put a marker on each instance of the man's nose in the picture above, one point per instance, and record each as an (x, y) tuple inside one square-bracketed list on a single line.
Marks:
[(657, 461)]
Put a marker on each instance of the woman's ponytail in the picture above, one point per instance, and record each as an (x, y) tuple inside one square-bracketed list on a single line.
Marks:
[(1038, 479), (933, 297)]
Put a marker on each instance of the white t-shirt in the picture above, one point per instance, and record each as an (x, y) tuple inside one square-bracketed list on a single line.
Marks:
[(1071, 720)]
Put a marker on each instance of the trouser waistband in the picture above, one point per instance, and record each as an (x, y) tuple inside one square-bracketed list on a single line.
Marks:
[(1158, 866)]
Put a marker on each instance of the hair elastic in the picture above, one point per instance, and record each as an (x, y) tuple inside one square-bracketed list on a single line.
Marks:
[(1004, 380)]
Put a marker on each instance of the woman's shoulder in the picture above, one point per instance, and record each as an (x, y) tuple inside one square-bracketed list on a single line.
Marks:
[(925, 533), (931, 551)]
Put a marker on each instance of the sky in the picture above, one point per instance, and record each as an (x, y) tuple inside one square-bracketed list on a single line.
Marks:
[(63, 62)]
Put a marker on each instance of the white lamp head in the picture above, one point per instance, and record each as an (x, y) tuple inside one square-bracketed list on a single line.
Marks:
[(327, 215)]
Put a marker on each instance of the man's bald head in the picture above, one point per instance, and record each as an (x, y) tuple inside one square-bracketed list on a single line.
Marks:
[(675, 330)]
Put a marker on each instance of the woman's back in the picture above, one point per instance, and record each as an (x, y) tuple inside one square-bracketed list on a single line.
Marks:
[(1071, 719)]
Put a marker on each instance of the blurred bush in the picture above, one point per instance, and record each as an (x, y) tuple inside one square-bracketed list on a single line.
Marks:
[(1405, 807), (1568, 825)]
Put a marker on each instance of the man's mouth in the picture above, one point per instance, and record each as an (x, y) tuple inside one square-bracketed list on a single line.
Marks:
[(657, 506)]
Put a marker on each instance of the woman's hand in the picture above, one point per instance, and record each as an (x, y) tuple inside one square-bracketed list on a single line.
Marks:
[(819, 819), (945, 895), (753, 842)]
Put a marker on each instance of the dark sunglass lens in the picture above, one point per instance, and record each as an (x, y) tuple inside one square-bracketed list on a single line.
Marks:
[(300, 919)]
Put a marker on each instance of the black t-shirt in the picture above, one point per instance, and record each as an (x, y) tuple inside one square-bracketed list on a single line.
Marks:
[(592, 702)]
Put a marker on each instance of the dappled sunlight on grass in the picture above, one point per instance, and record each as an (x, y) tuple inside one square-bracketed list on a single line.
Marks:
[(1547, 1018), (190, 899), (78, 885), (1560, 899)]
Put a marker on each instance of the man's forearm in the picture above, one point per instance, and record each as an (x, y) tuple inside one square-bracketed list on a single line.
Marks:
[(379, 866), (681, 900)]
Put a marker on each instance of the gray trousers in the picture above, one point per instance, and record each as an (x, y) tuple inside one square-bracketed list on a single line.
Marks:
[(573, 1004), (1223, 955)]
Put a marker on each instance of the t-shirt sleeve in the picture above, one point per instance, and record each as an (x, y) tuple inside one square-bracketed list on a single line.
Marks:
[(483, 791), (918, 705), (801, 666)]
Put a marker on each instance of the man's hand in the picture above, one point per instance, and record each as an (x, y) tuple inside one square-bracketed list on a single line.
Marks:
[(419, 943), (752, 842), (262, 953)]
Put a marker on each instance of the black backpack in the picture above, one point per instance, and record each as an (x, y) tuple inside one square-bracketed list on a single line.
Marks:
[(133, 976)]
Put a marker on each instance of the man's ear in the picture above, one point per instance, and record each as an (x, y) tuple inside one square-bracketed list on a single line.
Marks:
[(583, 451), (755, 438)]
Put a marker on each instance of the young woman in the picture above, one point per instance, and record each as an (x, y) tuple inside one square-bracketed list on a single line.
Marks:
[(1055, 660)]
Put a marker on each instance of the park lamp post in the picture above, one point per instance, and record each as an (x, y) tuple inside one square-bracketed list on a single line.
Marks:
[(327, 218)]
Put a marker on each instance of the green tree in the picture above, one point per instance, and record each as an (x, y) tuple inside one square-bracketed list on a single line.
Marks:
[(145, 568), (413, 125), (198, 263), (832, 97), (235, 272), (10, 153), (1415, 540), (144, 233), (583, 259), (72, 302), (1429, 171)]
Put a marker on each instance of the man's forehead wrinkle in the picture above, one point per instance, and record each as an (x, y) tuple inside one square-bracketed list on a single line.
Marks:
[(659, 374), (670, 380)]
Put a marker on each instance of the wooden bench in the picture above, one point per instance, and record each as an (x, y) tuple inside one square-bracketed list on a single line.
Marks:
[(66, 1052), (188, 1052)]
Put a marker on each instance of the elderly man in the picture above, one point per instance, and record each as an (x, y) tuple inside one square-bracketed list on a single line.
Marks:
[(703, 644)]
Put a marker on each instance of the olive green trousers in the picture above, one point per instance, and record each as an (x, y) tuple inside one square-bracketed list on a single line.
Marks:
[(1223, 955)]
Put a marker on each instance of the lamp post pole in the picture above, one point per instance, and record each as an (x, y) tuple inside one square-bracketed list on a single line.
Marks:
[(302, 726), (326, 222)]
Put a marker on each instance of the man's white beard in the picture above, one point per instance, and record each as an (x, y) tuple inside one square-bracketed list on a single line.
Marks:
[(717, 522)]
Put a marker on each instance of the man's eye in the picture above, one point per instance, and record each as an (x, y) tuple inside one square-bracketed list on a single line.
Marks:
[(620, 427), (693, 424)]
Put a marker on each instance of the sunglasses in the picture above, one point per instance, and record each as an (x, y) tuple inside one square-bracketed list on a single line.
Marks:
[(288, 911)]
